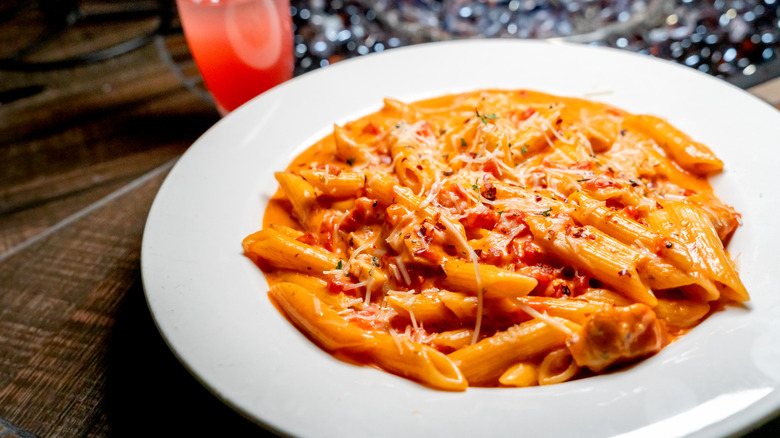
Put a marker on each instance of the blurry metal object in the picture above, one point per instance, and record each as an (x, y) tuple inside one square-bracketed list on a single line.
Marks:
[(48, 22), (736, 40), (581, 21)]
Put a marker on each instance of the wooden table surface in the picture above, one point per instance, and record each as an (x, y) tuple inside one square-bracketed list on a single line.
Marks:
[(83, 151)]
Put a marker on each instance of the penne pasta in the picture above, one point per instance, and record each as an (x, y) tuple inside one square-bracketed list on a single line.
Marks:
[(495, 282), (300, 193), (422, 309), (696, 233), (689, 154), (484, 362), (498, 238), (342, 185), (557, 366), (347, 148), (521, 374), (335, 334), (606, 258), (681, 313)]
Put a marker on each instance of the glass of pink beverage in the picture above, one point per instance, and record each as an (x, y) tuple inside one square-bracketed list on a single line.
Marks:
[(242, 47)]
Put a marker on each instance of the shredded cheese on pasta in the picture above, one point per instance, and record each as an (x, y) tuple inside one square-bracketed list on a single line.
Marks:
[(497, 228)]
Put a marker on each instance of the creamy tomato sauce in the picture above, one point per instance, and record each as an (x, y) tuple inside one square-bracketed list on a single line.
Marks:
[(579, 234)]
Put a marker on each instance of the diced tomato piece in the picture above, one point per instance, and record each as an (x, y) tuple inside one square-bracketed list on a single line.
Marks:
[(599, 182), (527, 113), (309, 239), (484, 218), (371, 129), (424, 130), (368, 211)]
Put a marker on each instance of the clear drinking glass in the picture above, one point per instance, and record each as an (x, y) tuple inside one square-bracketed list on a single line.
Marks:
[(242, 47)]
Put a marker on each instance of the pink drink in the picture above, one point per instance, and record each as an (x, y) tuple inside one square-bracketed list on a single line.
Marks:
[(242, 47)]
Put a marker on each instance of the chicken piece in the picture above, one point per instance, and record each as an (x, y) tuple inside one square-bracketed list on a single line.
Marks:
[(617, 334)]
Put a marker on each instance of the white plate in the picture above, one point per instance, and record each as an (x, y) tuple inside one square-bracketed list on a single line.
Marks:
[(210, 302)]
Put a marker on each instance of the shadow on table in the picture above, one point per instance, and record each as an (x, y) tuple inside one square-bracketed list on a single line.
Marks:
[(149, 392)]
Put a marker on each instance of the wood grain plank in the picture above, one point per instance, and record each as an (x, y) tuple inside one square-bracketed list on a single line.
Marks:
[(93, 116), (93, 129), (78, 346), (60, 297)]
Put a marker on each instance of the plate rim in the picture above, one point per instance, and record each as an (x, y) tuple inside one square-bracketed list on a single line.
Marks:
[(158, 318)]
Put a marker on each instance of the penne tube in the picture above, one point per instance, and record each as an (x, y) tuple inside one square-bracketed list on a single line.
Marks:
[(681, 313), (590, 250), (329, 330), (287, 231), (463, 306), (590, 211), (696, 232), (284, 252), (398, 109), (426, 308), (401, 356), (409, 170), (396, 354), (573, 310), (521, 374), (689, 154), (557, 367), (381, 186), (301, 195), (659, 275), (668, 272), (450, 340), (347, 148), (484, 362), (496, 282), (601, 131), (678, 254), (606, 296), (345, 184), (316, 286)]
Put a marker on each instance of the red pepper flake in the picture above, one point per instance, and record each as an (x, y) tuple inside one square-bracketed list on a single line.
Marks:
[(489, 191)]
